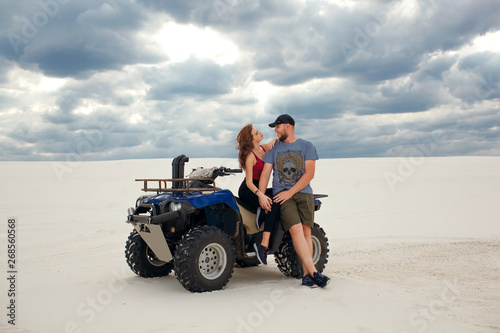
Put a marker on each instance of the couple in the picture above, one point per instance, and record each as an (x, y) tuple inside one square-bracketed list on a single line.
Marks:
[(292, 161)]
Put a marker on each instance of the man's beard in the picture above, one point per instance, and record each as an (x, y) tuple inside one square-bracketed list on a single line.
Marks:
[(283, 136)]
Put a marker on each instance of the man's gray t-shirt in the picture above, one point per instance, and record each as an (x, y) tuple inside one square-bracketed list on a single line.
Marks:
[(288, 161)]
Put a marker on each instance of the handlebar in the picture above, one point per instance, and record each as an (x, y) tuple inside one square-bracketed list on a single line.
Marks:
[(223, 171), (227, 170)]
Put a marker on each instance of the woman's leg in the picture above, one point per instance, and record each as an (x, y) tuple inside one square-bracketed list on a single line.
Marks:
[(245, 194), (265, 239), (271, 218)]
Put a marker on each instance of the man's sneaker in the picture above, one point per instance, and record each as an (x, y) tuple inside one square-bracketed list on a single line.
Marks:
[(261, 216), (321, 279), (308, 281), (261, 252)]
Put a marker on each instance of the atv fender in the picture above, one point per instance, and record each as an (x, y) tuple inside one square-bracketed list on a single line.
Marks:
[(222, 196), (153, 236)]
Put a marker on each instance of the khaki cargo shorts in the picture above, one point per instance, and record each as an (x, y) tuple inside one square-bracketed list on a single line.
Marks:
[(298, 209)]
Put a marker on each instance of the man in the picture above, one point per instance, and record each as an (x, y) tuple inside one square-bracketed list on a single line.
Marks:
[(293, 162)]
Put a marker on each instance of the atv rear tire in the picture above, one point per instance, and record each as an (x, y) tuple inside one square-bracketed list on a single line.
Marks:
[(204, 260), (289, 262), (142, 261)]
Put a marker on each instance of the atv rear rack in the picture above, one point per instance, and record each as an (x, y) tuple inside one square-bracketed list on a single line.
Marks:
[(178, 185)]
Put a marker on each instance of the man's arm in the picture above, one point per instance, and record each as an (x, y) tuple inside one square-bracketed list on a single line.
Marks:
[(306, 178)]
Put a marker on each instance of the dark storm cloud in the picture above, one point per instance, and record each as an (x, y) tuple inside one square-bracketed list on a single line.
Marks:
[(89, 137), (485, 67), (355, 98), (192, 77), (4, 67), (73, 39), (435, 69), (182, 11), (227, 15), (369, 43), (375, 78), (50, 136)]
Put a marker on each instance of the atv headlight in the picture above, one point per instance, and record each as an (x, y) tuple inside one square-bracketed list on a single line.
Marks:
[(173, 206), (141, 199)]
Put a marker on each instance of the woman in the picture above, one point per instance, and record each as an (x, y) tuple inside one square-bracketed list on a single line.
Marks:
[(250, 157)]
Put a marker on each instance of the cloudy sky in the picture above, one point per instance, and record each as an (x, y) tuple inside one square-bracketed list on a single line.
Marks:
[(132, 79)]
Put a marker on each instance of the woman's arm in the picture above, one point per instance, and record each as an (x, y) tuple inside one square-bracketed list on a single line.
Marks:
[(270, 144), (249, 163), (265, 202)]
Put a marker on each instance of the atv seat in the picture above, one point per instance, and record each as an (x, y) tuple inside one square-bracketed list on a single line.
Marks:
[(246, 206), (248, 214)]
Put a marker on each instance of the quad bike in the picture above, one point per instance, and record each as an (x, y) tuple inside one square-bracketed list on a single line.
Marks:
[(201, 232)]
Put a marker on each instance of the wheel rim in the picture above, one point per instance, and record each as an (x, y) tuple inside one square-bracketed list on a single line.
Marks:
[(212, 261), (153, 259), (316, 249)]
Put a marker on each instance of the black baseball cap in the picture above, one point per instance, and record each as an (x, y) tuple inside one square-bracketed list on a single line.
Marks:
[(283, 119)]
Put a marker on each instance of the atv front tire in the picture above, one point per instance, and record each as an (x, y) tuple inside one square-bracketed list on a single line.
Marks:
[(141, 259), (289, 262), (204, 260)]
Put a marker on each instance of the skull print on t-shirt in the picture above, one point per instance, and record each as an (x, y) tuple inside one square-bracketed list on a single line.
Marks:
[(290, 166), (289, 163)]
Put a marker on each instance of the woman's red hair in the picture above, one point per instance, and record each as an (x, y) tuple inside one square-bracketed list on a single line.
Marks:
[(245, 144)]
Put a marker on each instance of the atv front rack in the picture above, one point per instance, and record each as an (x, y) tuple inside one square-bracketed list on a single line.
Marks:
[(178, 185)]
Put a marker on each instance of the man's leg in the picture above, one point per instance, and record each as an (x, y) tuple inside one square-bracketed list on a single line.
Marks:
[(307, 236), (303, 249), (291, 220), (305, 210), (304, 207)]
